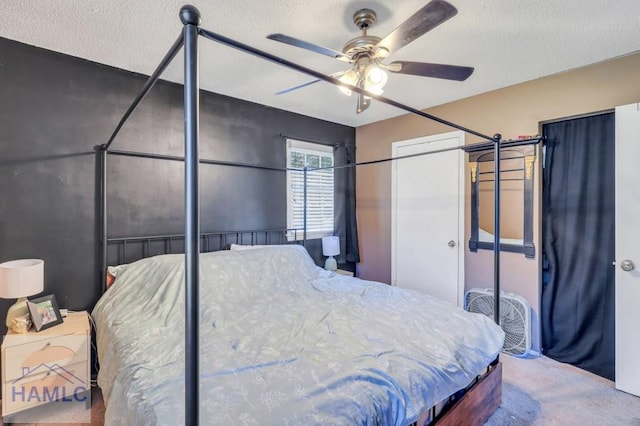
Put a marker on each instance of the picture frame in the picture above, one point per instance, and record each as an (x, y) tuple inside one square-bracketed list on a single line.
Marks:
[(44, 312)]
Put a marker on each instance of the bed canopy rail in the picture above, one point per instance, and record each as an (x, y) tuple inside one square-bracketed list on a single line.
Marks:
[(201, 160), (151, 81), (190, 18), (467, 148)]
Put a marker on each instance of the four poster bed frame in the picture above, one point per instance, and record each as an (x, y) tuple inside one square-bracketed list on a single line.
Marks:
[(470, 406)]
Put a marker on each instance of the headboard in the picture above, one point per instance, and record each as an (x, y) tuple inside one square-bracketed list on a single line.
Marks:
[(130, 249)]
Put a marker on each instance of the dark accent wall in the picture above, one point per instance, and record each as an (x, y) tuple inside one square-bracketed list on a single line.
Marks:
[(54, 109)]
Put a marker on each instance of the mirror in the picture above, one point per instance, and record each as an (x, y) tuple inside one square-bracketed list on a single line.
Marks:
[(516, 192)]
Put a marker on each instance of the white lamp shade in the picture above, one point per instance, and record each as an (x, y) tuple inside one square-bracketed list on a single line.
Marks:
[(21, 278), (330, 246)]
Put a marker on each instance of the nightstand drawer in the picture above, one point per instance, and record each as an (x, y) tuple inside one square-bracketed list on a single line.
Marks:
[(68, 383), (37, 357)]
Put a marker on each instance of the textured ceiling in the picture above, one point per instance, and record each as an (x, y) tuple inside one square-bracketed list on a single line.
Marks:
[(507, 42)]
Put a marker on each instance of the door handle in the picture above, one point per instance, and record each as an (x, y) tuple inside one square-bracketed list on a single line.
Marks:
[(627, 265), (451, 243)]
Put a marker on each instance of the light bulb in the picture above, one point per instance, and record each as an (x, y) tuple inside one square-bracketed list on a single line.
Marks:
[(375, 78)]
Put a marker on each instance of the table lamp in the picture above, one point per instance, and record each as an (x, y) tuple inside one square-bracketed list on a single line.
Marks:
[(19, 279), (330, 247)]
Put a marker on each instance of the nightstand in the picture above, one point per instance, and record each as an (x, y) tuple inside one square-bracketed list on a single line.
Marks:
[(344, 272), (52, 365)]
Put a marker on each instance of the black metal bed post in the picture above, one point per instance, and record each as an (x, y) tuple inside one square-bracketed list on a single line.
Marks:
[(304, 208), (103, 215), (190, 17), (497, 138)]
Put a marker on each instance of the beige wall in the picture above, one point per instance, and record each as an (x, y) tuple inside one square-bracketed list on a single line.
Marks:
[(512, 111)]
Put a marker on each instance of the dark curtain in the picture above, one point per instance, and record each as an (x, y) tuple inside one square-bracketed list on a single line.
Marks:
[(345, 205), (577, 309)]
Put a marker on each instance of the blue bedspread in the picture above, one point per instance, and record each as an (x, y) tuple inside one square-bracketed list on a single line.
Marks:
[(283, 342)]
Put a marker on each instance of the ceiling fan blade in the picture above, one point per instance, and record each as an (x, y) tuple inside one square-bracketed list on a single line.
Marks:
[(424, 69), (430, 16), (308, 83), (291, 89), (309, 46)]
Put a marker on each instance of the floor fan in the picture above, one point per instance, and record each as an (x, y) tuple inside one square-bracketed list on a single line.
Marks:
[(515, 317)]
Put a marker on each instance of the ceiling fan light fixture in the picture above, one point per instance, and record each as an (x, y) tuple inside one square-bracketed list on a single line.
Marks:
[(351, 78), (367, 53)]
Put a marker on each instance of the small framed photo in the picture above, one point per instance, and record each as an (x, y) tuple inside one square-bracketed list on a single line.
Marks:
[(44, 312)]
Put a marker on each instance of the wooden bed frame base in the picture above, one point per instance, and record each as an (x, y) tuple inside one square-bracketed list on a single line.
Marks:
[(475, 407)]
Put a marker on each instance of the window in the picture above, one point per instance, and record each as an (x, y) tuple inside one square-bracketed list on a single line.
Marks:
[(320, 189)]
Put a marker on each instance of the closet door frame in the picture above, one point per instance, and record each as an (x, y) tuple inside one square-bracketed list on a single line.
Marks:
[(433, 143), (627, 276)]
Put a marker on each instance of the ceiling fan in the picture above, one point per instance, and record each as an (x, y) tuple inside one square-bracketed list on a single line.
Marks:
[(367, 52)]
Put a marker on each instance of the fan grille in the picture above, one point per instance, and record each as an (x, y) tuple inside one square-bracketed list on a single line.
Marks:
[(514, 318)]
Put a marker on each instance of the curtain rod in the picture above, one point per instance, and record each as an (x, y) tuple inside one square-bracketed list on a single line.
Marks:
[(319, 142), (577, 117)]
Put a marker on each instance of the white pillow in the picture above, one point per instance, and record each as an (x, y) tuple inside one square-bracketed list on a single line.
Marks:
[(113, 270)]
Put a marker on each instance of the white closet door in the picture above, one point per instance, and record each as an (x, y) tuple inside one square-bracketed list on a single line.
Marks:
[(627, 249), (428, 217)]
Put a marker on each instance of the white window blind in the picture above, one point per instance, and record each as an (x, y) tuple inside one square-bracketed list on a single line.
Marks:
[(320, 189)]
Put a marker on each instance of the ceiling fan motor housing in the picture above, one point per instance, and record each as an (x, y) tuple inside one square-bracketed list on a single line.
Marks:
[(363, 44), (364, 18)]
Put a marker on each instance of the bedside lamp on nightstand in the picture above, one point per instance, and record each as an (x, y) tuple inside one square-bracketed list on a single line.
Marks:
[(19, 279), (330, 247)]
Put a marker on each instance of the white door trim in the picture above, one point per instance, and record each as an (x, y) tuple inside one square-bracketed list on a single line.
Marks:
[(435, 142)]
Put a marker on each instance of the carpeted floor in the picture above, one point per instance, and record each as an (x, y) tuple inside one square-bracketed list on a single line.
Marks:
[(541, 391), (536, 391)]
